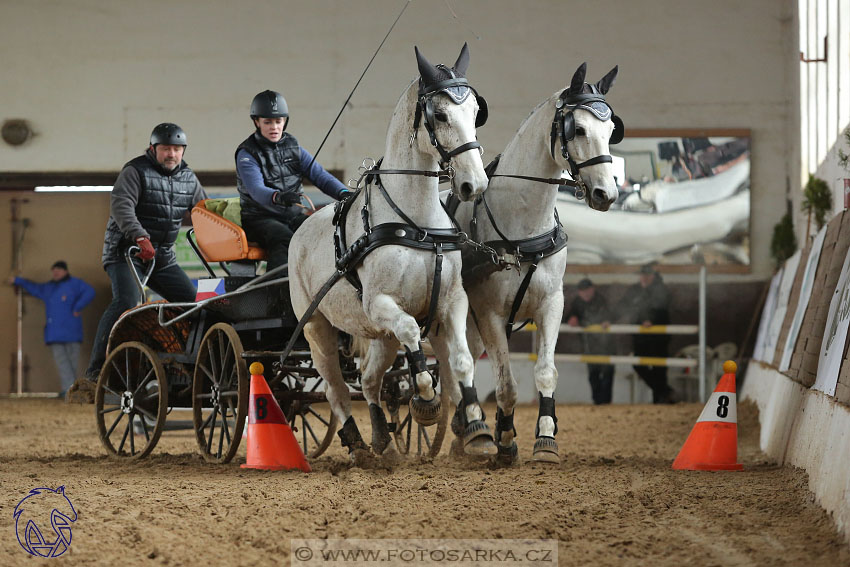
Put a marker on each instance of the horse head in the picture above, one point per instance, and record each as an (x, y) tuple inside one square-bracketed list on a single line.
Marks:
[(450, 110), (584, 126)]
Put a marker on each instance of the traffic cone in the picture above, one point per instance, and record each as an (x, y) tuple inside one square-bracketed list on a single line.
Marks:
[(713, 442), (271, 444)]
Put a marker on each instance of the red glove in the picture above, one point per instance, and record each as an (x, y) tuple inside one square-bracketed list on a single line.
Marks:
[(147, 251)]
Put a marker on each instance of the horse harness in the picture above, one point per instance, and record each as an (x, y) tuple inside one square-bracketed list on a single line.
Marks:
[(513, 252)]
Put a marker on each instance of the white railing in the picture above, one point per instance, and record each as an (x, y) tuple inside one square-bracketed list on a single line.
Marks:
[(633, 330)]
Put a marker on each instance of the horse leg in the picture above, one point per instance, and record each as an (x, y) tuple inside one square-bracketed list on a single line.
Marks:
[(379, 357), (324, 351), (492, 329), (548, 319), (384, 312), (451, 347)]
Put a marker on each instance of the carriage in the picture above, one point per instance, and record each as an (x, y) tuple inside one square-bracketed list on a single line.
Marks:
[(196, 355)]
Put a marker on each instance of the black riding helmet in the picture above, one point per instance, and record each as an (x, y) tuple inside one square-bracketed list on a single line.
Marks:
[(169, 134), (269, 104)]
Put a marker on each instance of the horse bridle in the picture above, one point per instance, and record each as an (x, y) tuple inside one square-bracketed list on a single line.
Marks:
[(564, 128), (425, 107)]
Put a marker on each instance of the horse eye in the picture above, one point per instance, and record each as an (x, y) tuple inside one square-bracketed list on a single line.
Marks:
[(580, 131), (441, 116)]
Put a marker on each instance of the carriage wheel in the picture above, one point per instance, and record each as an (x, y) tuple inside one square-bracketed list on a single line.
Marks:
[(313, 423), (131, 385), (220, 391), (426, 441)]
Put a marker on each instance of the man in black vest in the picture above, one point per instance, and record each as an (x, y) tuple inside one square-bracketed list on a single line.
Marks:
[(269, 166), (151, 196)]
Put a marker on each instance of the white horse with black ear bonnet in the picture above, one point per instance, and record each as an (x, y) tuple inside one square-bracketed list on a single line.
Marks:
[(399, 237), (570, 131)]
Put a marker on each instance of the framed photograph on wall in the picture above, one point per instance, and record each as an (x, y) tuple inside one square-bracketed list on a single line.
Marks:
[(684, 201)]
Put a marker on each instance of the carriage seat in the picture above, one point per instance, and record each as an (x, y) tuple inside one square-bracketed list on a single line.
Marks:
[(222, 240)]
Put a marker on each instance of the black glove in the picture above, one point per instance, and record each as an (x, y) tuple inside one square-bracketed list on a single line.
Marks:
[(286, 199), (344, 194)]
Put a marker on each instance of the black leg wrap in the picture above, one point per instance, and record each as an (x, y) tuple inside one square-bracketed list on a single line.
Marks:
[(350, 437), (545, 447), (416, 361), (423, 412), (477, 438), (547, 409), (380, 430), (504, 423), (507, 455)]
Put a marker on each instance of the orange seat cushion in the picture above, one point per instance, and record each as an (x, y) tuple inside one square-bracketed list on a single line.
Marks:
[(221, 240)]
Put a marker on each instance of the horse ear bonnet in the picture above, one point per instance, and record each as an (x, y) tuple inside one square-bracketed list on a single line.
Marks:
[(483, 113)]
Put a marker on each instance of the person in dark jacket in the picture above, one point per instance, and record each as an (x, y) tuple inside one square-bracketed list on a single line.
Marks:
[(269, 167), (590, 308), (648, 303), (149, 200), (64, 299)]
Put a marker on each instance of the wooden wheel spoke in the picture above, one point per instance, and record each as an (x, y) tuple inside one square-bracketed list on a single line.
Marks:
[(114, 423), (121, 376), (132, 435), (212, 429), (221, 434), (319, 417), (145, 412), (110, 410), (126, 431), (111, 391), (308, 427), (145, 427), (208, 373), (144, 381)]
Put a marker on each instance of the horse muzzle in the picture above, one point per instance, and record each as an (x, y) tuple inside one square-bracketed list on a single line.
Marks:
[(601, 198)]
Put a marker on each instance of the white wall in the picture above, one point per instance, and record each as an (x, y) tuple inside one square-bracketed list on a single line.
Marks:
[(94, 76)]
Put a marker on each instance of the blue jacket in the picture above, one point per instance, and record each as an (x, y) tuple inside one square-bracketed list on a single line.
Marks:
[(61, 300)]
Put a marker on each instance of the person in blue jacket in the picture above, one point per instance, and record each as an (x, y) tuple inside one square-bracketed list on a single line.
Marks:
[(64, 299), (270, 164)]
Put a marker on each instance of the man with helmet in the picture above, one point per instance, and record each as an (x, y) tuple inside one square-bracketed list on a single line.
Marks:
[(269, 167), (151, 196)]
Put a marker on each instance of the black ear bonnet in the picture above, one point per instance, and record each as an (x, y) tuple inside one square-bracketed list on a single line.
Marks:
[(451, 81), (457, 88), (564, 125)]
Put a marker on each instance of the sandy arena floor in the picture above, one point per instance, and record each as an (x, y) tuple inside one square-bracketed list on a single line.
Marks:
[(613, 501)]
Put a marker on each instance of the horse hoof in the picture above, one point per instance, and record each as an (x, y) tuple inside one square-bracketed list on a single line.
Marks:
[(507, 455), (478, 441), (360, 457), (546, 451), (424, 412)]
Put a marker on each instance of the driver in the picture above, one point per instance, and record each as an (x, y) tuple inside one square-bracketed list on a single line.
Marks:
[(269, 167), (151, 196)]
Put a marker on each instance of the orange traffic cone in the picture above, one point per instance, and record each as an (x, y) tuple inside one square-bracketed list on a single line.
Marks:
[(271, 444), (713, 442)]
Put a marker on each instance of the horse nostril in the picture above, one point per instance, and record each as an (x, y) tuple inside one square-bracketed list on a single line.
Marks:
[(600, 196), (465, 190)]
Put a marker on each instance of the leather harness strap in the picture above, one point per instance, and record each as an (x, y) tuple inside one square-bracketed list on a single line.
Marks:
[(407, 234)]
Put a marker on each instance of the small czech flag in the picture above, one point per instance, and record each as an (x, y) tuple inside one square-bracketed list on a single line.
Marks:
[(209, 287)]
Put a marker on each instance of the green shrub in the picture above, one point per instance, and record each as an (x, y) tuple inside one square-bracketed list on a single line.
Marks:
[(784, 241), (817, 200)]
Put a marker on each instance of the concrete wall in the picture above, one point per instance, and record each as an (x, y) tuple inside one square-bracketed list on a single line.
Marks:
[(94, 76), (806, 429)]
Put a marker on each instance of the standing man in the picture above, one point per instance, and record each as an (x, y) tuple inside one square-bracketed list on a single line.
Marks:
[(269, 167), (151, 196), (64, 298), (648, 303), (590, 308)]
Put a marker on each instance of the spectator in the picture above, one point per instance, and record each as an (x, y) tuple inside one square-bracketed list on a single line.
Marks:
[(151, 196), (590, 308), (64, 299), (648, 303)]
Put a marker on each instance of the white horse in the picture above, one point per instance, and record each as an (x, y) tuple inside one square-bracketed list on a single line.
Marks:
[(571, 130), (398, 280)]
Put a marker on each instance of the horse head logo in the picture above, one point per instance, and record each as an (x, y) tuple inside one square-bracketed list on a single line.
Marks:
[(36, 509)]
